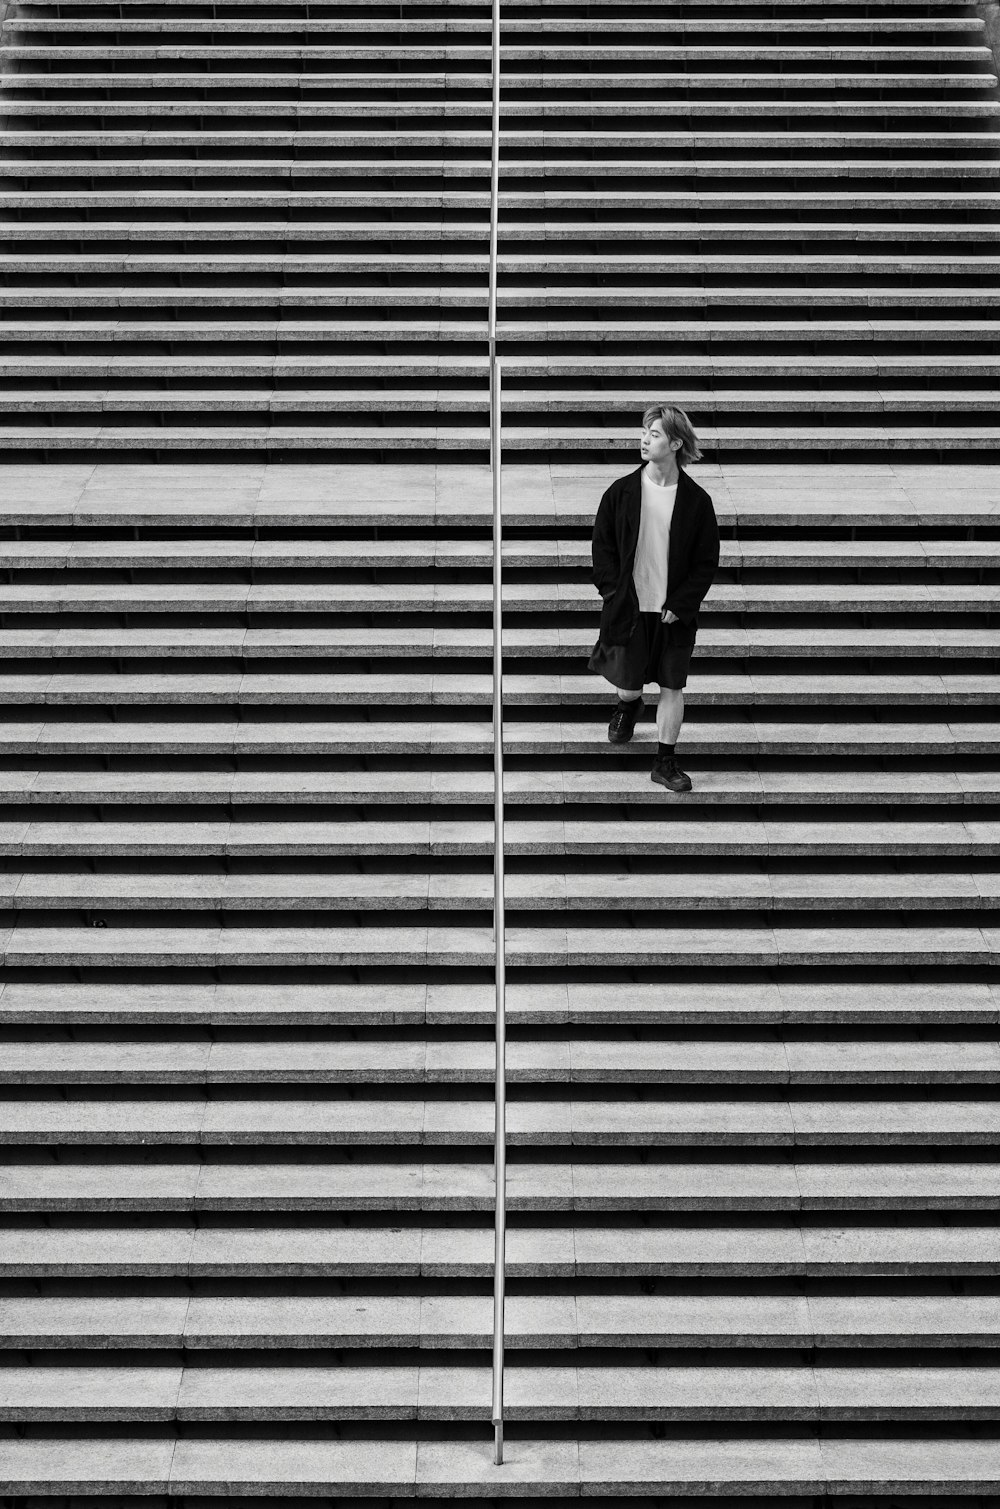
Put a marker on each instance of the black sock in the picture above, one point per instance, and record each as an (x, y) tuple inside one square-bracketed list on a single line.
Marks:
[(631, 702), (664, 749)]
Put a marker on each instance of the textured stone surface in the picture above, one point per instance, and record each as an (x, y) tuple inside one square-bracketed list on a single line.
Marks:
[(247, 1086)]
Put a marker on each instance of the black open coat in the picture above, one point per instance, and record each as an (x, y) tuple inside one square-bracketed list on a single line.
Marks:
[(693, 562)]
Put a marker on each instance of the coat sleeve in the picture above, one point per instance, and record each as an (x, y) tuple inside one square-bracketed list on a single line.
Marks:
[(604, 547), (686, 598)]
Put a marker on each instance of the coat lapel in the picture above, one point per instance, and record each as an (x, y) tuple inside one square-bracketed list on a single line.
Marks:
[(680, 524), (633, 510)]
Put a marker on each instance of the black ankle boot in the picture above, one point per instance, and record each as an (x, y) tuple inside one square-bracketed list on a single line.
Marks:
[(623, 721)]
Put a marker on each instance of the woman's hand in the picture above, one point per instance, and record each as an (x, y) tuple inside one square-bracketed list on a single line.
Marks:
[(667, 617)]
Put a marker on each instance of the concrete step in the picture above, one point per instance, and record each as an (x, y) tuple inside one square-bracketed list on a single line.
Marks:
[(607, 1059), (425, 689), (701, 1001), (28, 171), (849, 785), (936, 7), (793, 1248), (779, 837), (534, 1321), (514, 56), (746, 739), (473, 266), (269, 438), (902, 497), (611, 1186), (874, 401), (717, 328), (422, 689), (204, 1121), (555, 369), (521, 162), (560, 1392), (845, 93), (292, 231), (923, 1157), (561, 497), (419, 946), (601, 891), (466, 92), (580, 1122), (462, 645), (468, 296), (742, 142), (552, 202), (587, 28), (393, 598), (435, 553), (394, 1467)]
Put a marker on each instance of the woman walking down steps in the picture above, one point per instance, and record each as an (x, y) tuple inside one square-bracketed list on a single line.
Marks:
[(656, 551)]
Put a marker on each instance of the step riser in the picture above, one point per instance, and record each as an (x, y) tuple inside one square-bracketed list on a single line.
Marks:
[(247, 1064)]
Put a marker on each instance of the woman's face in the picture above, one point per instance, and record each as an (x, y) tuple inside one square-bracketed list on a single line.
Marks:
[(655, 445)]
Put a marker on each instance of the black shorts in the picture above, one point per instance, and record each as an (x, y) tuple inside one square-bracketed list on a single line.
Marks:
[(656, 652)]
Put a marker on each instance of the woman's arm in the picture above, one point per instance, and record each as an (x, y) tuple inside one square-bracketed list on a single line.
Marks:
[(687, 596), (604, 548)]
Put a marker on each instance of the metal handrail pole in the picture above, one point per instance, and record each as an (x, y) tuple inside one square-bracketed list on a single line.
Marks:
[(500, 1143), (494, 194), (500, 1134)]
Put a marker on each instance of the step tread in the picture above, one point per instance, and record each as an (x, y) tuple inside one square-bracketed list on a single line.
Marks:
[(552, 1251), (591, 26), (269, 437), (717, 328), (452, 297), (364, 837), (553, 892), (818, 139), (514, 54), (391, 1466), (471, 597), (911, 232), (263, 1004), (841, 103), (116, 555), (713, 401), (445, 1186), (461, 645), (105, 166), (736, 1060), (441, 946), (901, 494), (444, 788), (198, 1119), (426, 688), (745, 739), (439, 1392)]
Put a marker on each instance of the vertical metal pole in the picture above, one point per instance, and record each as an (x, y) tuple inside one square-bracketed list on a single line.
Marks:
[(500, 1144), (500, 1135)]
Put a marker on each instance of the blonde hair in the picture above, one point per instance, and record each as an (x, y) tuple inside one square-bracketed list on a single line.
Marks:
[(676, 426)]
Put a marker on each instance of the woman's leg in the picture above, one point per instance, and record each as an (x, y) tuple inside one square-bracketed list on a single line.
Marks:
[(669, 715), (623, 720)]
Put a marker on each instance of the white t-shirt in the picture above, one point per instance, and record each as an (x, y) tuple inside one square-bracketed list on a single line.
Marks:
[(649, 573)]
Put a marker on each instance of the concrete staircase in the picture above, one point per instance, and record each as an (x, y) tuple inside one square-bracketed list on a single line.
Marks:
[(246, 1074), (261, 225), (245, 879)]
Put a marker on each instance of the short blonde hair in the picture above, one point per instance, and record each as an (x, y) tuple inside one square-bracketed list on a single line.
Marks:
[(676, 426)]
